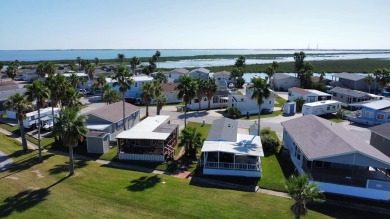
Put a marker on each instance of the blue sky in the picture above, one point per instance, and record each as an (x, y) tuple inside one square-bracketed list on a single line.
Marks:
[(198, 24)]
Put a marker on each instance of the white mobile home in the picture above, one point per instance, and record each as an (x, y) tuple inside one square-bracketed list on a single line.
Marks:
[(32, 117), (321, 107)]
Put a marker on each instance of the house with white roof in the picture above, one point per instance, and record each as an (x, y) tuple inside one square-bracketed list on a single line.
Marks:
[(283, 81), (246, 105), (372, 112), (174, 75), (225, 152), (153, 139), (336, 159), (309, 95), (135, 89)]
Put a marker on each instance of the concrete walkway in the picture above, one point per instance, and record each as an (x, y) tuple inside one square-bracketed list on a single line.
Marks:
[(5, 161)]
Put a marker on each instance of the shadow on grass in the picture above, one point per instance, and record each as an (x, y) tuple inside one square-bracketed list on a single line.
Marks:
[(25, 199), (194, 114), (61, 168), (143, 183), (25, 163), (285, 163)]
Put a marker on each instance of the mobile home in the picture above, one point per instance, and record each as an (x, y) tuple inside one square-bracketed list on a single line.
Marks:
[(321, 107), (32, 117)]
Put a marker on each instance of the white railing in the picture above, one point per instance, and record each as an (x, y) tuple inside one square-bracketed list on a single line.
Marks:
[(232, 166)]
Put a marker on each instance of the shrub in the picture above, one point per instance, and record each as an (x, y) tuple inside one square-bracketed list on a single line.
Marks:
[(265, 131), (233, 112), (270, 144)]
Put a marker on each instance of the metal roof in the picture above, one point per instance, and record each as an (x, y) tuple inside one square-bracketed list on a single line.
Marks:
[(349, 92), (223, 130), (319, 138), (97, 126), (147, 129), (244, 145), (279, 76), (349, 76), (383, 130), (113, 112), (377, 104)]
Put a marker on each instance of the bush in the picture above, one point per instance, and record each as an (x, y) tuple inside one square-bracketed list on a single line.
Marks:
[(233, 112), (265, 131), (270, 144)]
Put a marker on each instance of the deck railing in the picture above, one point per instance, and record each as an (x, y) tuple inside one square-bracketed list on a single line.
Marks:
[(232, 166)]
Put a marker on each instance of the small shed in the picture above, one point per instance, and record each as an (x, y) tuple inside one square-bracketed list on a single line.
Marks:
[(290, 108), (98, 142)]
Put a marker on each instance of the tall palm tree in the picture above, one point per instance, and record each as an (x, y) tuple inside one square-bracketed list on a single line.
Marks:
[(100, 82), (78, 59), (161, 101), (111, 96), (96, 61), (147, 95), (134, 62), (12, 70), (270, 71), (302, 191), (236, 73), (261, 91), (90, 70), (121, 57), (57, 86), (187, 92), (49, 68), (275, 65), (210, 88), (161, 77), (20, 105), (240, 62), (200, 90), (71, 99), (123, 81), (72, 65), (74, 80), (40, 70), (39, 93), (70, 126), (369, 79), (190, 139), (158, 89), (157, 55)]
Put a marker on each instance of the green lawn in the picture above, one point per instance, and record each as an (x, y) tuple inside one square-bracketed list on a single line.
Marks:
[(262, 116), (280, 101), (45, 142), (40, 190)]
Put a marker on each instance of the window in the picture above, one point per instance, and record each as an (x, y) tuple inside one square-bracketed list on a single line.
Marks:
[(170, 75), (196, 100), (328, 108), (289, 93), (333, 107), (269, 102), (388, 117), (380, 116), (368, 114), (215, 99), (318, 164)]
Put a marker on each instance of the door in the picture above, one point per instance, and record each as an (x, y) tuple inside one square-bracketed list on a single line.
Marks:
[(292, 108)]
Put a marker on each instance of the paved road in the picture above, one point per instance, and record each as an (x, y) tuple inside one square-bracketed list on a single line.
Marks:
[(5, 161)]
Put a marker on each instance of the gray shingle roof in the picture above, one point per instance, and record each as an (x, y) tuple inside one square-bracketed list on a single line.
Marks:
[(279, 76), (179, 70), (319, 138), (223, 130), (349, 76), (113, 112), (383, 130), (352, 93), (6, 93)]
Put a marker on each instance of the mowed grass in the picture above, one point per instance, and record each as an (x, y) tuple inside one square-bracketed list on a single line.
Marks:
[(280, 101)]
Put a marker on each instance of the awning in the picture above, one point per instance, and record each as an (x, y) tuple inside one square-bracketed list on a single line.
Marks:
[(97, 126), (129, 134)]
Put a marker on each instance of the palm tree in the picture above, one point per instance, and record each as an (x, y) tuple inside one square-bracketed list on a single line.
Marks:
[(158, 89), (211, 88), (187, 92), (134, 62), (39, 93), (72, 65), (1, 71), (20, 105), (157, 55), (74, 80), (71, 99), (147, 95), (161, 77), (100, 82), (78, 59), (190, 139), (161, 101), (12, 70), (57, 86), (40, 70), (299, 102), (275, 65), (123, 81), (96, 61), (121, 57), (261, 91), (90, 70), (369, 79), (70, 127), (200, 90), (236, 73), (270, 71), (111, 96), (322, 75), (240, 63), (302, 191), (49, 68)]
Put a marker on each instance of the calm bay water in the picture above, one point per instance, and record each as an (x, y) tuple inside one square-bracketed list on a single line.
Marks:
[(37, 55)]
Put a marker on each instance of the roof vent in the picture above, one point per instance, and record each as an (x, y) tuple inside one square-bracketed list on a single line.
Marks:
[(229, 125)]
